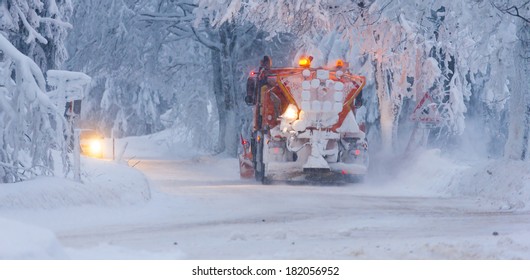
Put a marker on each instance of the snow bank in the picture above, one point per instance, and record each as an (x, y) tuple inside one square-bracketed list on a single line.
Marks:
[(166, 144), (20, 241), (104, 183), (23, 241), (499, 184)]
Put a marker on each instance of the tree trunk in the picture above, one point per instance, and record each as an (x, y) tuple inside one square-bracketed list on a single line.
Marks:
[(385, 108), (225, 88), (230, 87), (518, 142), (219, 98)]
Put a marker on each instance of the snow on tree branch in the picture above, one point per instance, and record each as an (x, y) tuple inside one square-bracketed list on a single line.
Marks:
[(38, 28), (297, 17), (56, 22), (26, 66), (181, 24), (32, 125), (32, 33)]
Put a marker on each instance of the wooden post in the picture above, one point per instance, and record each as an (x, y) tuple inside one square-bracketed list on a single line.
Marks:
[(77, 156)]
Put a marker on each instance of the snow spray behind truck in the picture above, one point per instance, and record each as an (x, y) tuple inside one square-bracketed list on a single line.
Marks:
[(304, 126)]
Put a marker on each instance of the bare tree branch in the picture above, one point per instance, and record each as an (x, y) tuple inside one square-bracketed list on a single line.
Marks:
[(512, 10), (379, 13), (166, 17), (516, 13)]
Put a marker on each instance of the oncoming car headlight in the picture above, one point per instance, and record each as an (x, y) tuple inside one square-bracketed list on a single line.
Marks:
[(91, 142), (95, 148)]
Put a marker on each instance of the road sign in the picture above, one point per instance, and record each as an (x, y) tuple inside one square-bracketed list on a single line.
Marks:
[(426, 111)]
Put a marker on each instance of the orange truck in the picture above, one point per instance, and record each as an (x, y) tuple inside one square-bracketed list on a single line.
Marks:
[(304, 126)]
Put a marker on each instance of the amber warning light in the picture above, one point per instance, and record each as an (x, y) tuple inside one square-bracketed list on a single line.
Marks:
[(305, 61)]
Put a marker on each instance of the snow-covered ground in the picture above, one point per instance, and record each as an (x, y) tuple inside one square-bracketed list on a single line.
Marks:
[(196, 207)]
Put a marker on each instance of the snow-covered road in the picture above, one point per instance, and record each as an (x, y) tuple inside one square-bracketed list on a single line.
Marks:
[(202, 210)]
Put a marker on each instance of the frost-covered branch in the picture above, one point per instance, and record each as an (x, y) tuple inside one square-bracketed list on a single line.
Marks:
[(379, 13), (43, 25), (56, 22), (301, 18), (32, 33), (25, 65), (181, 24)]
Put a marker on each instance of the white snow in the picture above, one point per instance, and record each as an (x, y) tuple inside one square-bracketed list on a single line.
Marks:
[(68, 85), (427, 206), (22, 241), (105, 184)]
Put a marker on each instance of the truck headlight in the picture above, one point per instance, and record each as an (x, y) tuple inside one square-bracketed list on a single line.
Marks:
[(291, 113)]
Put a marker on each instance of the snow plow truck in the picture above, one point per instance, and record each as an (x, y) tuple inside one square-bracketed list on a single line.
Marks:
[(304, 126)]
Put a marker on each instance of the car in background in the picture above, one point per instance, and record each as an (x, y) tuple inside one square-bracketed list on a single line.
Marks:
[(91, 142)]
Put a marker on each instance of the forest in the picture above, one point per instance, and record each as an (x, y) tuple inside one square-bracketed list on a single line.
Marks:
[(181, 65)]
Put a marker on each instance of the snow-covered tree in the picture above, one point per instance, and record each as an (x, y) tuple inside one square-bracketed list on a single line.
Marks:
[(517, 146), (32, 37), (142, 73), (405, 48), (232, 30), (169, 71), (32, 125), (38, 28)]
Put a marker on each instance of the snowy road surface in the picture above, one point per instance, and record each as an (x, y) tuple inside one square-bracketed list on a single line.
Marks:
[(202, 210)]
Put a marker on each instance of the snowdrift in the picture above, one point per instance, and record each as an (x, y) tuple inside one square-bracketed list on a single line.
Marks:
[(104, 184), (498, 184), (166, 144), (23, 241)]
